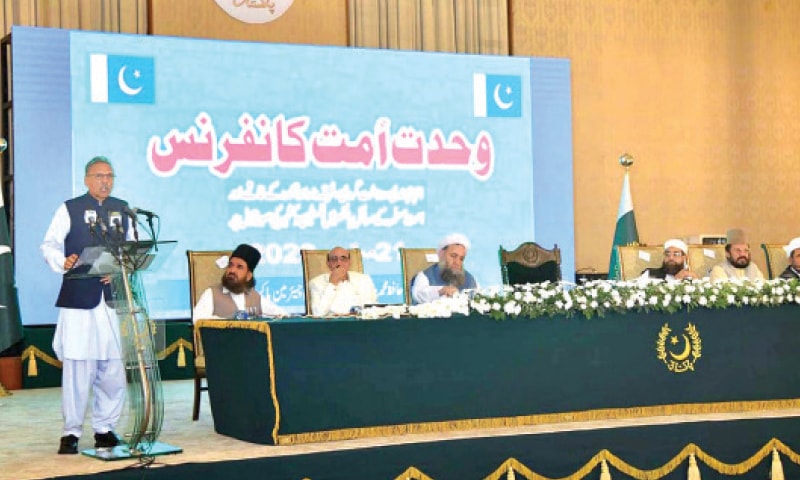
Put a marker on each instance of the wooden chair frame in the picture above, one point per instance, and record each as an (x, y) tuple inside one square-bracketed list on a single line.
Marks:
[(203, 273), (702, 258), (413, 261), (529, 255), (634, 259), (777, 259)]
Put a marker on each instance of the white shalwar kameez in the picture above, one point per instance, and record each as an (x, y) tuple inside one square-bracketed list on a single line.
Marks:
[(87, 343)]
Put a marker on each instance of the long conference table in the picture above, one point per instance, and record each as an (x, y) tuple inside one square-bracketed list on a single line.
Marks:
[(299, 380)]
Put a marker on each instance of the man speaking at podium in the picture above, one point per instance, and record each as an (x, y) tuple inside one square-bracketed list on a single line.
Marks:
[(87, 334)]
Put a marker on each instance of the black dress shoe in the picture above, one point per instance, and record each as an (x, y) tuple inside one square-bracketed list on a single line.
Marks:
[(105, 440), (69, 445)]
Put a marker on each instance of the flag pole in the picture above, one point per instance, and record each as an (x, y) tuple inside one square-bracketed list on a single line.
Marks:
[(10, 327), (626, 160), (3, 145), (625, 231)]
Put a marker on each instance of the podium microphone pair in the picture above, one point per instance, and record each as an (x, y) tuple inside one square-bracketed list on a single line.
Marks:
[(133, 212), (115, 219), (97, 223)]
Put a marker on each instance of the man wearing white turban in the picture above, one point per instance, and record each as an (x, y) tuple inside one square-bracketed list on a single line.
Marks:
[(448, 277), (793, 251), (674, 266)]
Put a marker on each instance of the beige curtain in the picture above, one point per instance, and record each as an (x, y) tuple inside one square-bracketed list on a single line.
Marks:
[(125, 16), (462, 26)]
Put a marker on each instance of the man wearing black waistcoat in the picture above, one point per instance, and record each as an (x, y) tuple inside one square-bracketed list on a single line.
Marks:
[(87, 334)]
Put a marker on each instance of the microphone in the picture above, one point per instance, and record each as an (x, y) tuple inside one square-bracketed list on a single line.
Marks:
[(103, 226), (115, 219), (128, 211), (90, 217), (141, 211)]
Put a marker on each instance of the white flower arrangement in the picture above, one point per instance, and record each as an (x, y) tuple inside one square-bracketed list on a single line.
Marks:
[(596, 298), (442, 307), (599, 297)]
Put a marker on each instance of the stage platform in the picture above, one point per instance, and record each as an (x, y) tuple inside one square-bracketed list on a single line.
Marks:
[(31, 423)]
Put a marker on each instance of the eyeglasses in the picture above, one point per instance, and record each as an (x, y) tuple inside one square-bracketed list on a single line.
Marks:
[(673, 254), (334, 258), (102, 176)]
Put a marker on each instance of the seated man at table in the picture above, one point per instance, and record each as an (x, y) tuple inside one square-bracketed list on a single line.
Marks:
[(674, 266), (340, 290), (448, 277), (236, 291), (737, 265), (793, 251)]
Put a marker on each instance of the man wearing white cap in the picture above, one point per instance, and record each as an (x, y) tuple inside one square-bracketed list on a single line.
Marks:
[(793, 251), (674, 266), (737, 264), (447, 277)]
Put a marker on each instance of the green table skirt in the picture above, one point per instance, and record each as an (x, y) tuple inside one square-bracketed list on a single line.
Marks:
[(298, 381)]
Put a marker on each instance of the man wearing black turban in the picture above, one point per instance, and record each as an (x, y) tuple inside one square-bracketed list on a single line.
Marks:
[(236, 291)]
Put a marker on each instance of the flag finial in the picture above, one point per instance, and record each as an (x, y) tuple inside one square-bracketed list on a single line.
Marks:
[(626, 160)]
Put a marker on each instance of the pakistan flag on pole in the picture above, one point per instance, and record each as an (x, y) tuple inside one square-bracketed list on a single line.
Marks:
[(625, 233), (10, 325)]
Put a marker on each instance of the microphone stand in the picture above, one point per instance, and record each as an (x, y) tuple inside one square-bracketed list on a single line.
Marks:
[(139, 352), (152, 229), (135, 230)]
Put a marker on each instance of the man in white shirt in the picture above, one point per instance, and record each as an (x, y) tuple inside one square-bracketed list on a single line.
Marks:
[(674, 267), (235, 296), (737, 265), (448, 277), (337, 292), (87, 334)]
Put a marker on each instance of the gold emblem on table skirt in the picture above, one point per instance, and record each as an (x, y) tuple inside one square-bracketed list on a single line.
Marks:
[(679, 352)]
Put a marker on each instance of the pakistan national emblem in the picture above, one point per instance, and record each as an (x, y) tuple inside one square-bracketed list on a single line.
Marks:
[(679, 352)]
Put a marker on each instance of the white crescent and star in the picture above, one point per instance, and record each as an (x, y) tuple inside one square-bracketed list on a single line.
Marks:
[(123, 85), (499, 101)]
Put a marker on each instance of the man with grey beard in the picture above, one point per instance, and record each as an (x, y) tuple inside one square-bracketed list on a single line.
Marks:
[(448, 277), (737, 264)]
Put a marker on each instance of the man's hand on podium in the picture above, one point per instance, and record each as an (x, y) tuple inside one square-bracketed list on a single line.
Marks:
[(69, 262)]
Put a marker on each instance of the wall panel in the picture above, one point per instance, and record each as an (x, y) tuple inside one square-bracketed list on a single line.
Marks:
[(127, 16), (703, 93), (317, 22)]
